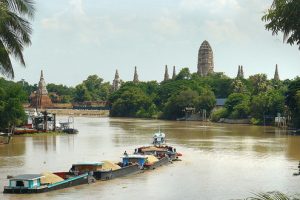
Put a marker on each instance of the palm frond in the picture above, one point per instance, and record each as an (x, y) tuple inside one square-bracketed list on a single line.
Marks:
[(5, 63), (22, 7), (270, 196)]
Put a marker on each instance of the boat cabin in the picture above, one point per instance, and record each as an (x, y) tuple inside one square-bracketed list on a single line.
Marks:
[(159, 138), (132, 159), (81, 168), (29, 181)]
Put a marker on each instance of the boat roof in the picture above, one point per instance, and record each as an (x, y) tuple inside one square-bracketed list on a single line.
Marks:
[(153, 148), (159, 134), (133, 156), (87, 163), (27, 177)]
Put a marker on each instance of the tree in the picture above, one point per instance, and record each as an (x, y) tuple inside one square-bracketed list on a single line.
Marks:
[(184, 74), (177, 103), (132, 102), (15, 32), (92, 89), (259, 83), (238, 105), (293, 101), (206, 101), (11, 109), (269, 103), (284, 16), (81, 93)]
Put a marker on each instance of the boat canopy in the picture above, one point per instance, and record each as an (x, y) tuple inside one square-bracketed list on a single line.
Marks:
[(26, 177), (88, 164), (159, 138)]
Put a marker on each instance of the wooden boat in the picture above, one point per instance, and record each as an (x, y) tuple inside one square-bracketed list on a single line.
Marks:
[(32, 183), (159, 148), (145, 161), (24, 130), (100, 172)]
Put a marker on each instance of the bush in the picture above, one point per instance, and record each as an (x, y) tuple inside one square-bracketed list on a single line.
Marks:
[(218, 114)]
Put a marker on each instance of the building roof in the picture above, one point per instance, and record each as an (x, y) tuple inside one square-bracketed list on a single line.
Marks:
[(220, 102), (27, 177)]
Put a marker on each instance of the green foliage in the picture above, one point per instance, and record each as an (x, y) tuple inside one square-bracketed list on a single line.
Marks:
[(218, 114), (15, 32), (132, 101), (11, 108), (269, 103), (92, 89), (177, 103), (65, 93), (259, 83), (293, 101), (184, 74), (238, 105), (271, 196), (284, 16), (238, 86)]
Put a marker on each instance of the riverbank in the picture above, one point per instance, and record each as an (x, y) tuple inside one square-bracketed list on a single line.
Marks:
[(49, 133), (96, 113)]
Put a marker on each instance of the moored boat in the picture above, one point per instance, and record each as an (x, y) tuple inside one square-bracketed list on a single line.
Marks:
[(38, 183), (105, 170), (159, 148), (145, 161)]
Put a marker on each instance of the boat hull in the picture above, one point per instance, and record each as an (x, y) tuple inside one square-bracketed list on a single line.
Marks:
[(161, 162), (107, 175), (74, 181)]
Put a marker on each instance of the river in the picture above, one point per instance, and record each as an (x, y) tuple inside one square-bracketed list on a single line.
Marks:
[(219, 161)]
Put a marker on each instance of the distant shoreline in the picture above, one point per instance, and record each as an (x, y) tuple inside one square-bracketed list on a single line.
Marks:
[(97, 113)]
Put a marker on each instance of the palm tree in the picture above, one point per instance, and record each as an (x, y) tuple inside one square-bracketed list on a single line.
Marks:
[(15, 32), (271, 196)]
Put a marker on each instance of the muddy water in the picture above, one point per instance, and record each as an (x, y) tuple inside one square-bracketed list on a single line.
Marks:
[(220, 161)]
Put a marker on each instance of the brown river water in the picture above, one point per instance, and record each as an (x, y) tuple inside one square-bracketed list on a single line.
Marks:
[(219, 161)]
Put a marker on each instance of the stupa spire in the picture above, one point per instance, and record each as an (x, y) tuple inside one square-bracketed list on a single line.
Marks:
[(276, 75), (239, 72), (42, 90), (174, 73), (116, 81), (136, 76), (166, 77), (242, 72)]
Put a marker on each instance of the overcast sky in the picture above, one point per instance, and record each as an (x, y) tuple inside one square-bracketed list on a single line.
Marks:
[(76, 38)]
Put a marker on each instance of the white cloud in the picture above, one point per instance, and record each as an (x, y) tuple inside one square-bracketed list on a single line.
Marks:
[(224, 30), (167, 25), (212, 6)]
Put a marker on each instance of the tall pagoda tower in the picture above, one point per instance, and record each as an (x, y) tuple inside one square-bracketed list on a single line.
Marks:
[(205, 59), (174, 73), (239, 72), (166, 77), (276, 75), (135, 76), (242, 72), (40, 98), (116, 81)]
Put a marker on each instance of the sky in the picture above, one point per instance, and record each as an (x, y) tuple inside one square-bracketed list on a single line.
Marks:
[(73, 39)]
